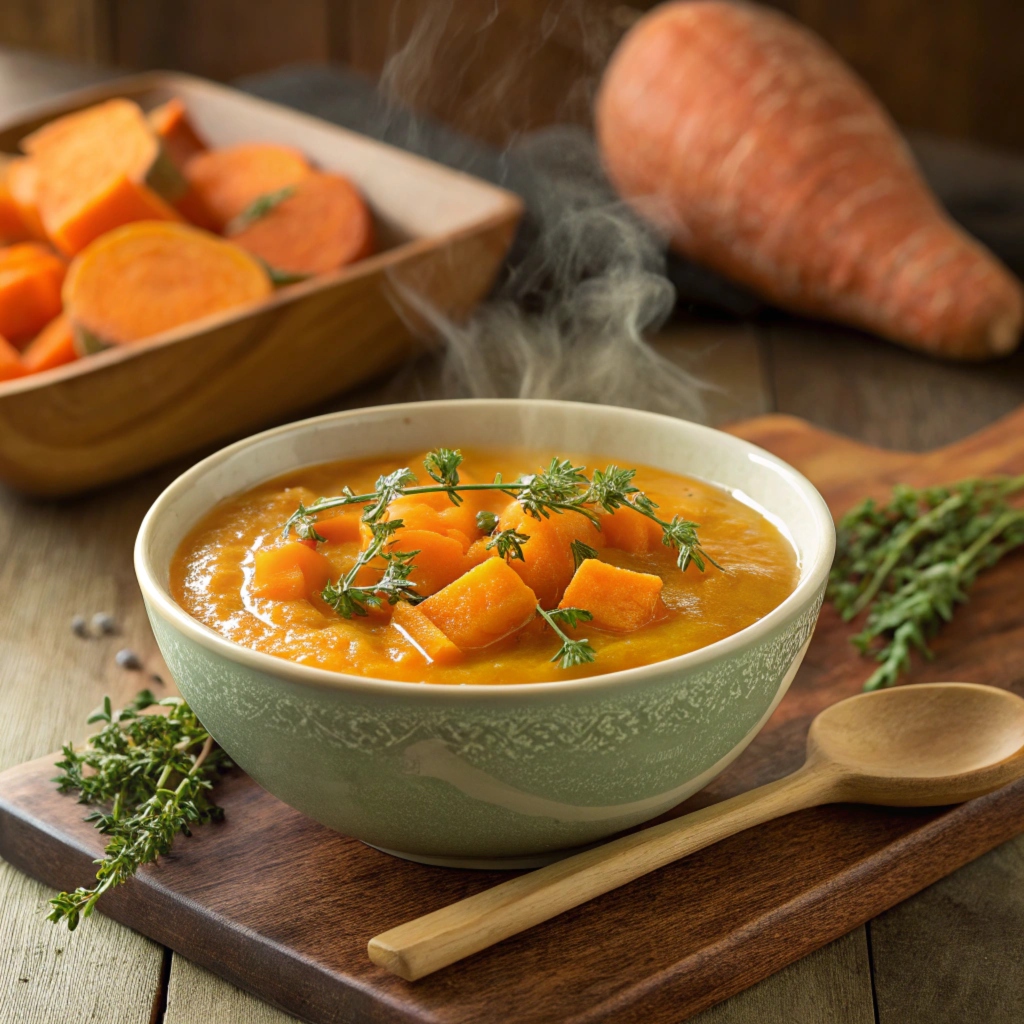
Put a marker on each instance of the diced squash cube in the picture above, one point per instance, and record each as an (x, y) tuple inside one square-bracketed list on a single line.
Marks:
[(619, 600), (342, 527), (547, 564), (410, 621), (290, 571), (478, 551), (440, 560), (435, 512), (628, 530), (487, 603)]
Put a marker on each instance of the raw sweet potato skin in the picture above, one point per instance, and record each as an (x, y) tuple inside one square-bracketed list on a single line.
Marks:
[(763, 156)]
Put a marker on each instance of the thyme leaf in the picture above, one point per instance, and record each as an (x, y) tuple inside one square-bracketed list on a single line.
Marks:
[(581, 552), (509, 544), (259, 208), (154, 774)]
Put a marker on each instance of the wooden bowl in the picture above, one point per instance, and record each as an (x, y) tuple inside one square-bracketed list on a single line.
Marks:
[(442, 237)]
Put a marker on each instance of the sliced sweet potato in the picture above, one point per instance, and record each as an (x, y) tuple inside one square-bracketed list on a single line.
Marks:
[(547, 564), (12, 225), (10, 361), (322, 225), (619, 600), (290, 571), (175, 130), (150, 277), (440, 560), (30, 290), (430, 641), (478, 551), (435, 512), (229, 180), (482, 606), (22, 180), (53, 346), (99, 169), (342, 527), (628, 530)]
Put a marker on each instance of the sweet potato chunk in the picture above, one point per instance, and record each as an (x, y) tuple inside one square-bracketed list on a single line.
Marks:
[(290, 571), (410, 621), (619, 599), (547, 564), (487, 603), (342, 527), (435, 512), (440, 560), (628, 530)]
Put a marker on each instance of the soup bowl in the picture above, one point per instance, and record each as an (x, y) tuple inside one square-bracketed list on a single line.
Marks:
[(477, 775)]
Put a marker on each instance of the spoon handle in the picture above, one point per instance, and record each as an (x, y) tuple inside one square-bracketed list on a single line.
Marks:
[(426, 944)]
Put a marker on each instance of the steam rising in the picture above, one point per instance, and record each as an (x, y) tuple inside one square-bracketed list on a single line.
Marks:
[(587, 279)]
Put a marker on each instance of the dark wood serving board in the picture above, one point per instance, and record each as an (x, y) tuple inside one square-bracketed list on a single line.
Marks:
[(282, 907)]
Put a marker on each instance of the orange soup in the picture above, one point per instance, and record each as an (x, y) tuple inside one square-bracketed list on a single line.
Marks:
[(467, 609)]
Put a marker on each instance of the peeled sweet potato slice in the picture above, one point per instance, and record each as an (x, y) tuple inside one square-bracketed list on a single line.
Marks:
[(22, 180), (482, 606), (229, 180), (30, 290), (439, 560), (342, 527), (430, 641), (10, 362), (53, 346), (12, 225), (547, 564), (322, 225), (629, 530), (99, 169), (175, 130), (619, 600), (150, 277), (290, 571)]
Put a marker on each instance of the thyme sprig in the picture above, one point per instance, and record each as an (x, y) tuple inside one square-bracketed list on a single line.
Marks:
[(562, 487), (259, 208), (909, 563), (153, 773), (572, 652)]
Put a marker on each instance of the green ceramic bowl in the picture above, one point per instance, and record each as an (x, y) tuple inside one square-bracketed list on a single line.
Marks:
[(474, 775)]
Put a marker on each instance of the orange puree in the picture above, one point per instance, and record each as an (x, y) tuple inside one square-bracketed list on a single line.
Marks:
[(213, 576)]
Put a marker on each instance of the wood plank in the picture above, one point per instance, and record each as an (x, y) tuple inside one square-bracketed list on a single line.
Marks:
[(955, 952), (196, 996), (63, 28), (832, 985)]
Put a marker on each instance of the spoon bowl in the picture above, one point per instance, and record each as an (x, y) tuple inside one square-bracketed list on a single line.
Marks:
[(922, 745)]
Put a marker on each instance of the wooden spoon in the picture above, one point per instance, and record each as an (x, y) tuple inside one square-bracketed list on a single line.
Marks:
[(916, 746)]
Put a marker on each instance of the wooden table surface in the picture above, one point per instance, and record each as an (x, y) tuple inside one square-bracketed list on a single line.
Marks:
[(953, 953)]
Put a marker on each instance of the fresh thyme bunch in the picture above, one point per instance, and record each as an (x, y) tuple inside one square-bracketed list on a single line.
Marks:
[(561, 488), (154, 773), (911, 562)]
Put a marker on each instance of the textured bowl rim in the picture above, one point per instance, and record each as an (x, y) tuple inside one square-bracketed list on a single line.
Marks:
[(161, 601)]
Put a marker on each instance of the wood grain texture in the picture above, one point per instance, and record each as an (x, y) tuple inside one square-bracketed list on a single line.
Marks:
[(442, 235), (840, 864), (195, 994)]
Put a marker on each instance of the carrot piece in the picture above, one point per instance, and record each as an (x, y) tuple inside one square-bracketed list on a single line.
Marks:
[(629, 530), (322, 225), (439, 561), (53, 346), (342, 528), (778, 168), (618, 599), (547, 564), (98, 169), (482, 606), (150, 277), (175, 130), (22, 181), (30, 285), (430, 641), (229, 180), (290, 571), (10, 361)]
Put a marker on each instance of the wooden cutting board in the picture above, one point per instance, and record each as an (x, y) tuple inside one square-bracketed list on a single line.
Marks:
[(282, 907)]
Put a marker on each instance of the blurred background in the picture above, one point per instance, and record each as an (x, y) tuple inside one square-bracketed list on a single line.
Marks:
[(948, 67)]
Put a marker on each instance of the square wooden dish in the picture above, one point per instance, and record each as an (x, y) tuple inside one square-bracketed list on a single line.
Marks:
[(442, 236)]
